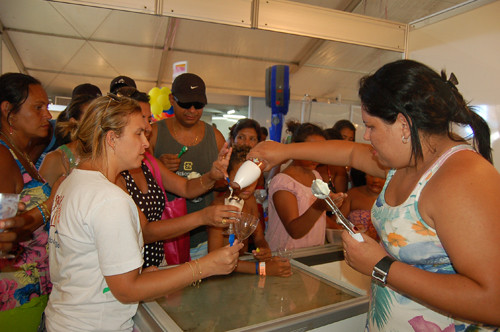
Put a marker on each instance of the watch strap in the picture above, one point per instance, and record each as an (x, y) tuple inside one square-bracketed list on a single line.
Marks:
[(381, 269)]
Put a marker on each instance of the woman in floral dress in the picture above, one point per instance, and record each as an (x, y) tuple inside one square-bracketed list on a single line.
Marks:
[(24, 280)]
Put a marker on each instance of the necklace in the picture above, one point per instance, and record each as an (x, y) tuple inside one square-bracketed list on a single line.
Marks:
[(24, 159), (177, 137)]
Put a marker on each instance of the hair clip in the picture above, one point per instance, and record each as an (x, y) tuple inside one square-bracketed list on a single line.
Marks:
[(452, 81)]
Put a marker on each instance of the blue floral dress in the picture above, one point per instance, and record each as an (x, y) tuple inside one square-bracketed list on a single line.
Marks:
[(25, 281), (407, 237)]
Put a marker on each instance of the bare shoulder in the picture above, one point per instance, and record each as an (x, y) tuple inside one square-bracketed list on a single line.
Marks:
[(52, 158), (153, 136), (219, 138), (10, 176), (466, 170), (465, 182), (354, 192)]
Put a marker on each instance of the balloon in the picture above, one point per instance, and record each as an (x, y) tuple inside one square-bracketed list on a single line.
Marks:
[(153, 94), (163, 101), (156, 108), (165, 91)]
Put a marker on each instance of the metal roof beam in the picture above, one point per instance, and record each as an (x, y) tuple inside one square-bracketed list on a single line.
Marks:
[(12, 49), (169, 41)]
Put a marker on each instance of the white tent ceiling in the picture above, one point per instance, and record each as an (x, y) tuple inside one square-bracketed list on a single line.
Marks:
[(65, 43)]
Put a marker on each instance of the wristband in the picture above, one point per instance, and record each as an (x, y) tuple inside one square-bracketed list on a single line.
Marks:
[(257, 268), (381, 269), (262, 268)]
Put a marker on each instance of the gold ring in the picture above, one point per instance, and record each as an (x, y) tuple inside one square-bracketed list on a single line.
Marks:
[(224, 220)]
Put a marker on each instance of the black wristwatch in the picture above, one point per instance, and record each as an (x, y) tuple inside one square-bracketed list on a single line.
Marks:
[(381, 269)]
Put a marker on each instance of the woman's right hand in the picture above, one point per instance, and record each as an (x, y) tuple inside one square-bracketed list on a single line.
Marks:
[(269, 151), (171, 161), (338, 198), (219, 215), (278, 266), (222, 260)]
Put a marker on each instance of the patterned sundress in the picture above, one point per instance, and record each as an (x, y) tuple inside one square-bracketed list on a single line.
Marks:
[(24, 281), (407, 237)]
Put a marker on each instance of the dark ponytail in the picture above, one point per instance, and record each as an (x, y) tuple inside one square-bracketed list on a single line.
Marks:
[(466, 115)]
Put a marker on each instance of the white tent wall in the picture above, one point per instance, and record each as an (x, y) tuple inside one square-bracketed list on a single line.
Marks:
[(467, 45)]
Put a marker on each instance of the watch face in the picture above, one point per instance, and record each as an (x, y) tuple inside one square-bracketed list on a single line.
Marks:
[(379, 275)]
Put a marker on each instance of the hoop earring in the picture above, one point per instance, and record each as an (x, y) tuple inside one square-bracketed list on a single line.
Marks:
[(405, 140)]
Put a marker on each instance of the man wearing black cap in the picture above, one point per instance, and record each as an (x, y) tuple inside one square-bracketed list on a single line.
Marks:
[(185, 129), (119, 82)]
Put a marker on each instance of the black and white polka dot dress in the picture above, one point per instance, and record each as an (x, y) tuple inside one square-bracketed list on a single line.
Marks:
[(152, 205)]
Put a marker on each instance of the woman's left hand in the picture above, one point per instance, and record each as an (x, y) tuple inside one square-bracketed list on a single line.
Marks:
[(362, 256), (219, 166), (11, 229)]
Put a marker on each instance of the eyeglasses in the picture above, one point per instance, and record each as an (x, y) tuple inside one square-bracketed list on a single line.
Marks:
[(187, 106)]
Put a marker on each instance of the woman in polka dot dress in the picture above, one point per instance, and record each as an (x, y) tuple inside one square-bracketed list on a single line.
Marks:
[(151, 202), (148, 196)]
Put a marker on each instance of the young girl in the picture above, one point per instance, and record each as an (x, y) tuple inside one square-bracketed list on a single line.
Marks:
[(216, 238), (95, 236), (62, 160), (358, 204), (296, 218)]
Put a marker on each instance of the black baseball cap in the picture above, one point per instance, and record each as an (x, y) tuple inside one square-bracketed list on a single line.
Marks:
[(189, 88), (121, 81), (86, 89)]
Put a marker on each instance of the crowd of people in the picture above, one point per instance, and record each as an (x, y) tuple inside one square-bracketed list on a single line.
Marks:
[(108, 197)]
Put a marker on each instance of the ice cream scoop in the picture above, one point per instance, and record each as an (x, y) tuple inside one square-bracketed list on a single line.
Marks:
[(320, 190), (234, 201)]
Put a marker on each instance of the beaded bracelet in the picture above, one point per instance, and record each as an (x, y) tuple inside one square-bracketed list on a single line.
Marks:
[(45, 210), (199, 270)]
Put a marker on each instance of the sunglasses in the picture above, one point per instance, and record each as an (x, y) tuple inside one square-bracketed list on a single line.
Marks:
[(187, 106), (112, 97)]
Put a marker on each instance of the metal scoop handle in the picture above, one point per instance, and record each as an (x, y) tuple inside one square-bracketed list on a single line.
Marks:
[(343, 220)]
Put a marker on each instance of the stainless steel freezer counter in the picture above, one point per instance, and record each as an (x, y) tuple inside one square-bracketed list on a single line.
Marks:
[(243, 302)]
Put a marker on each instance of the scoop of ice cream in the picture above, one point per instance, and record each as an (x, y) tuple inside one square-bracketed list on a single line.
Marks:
[(193, 175), (320, 189), (234, 201)]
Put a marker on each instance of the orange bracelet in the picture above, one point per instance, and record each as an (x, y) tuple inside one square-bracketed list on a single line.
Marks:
[(262, 268)]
